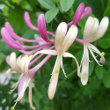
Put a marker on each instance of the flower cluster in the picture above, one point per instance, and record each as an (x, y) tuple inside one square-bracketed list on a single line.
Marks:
[(52, 44)]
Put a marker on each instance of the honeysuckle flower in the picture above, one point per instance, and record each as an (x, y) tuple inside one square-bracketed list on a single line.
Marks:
[(22, 65), (15, 41), (81, 13), (63, 40), (92, 32)]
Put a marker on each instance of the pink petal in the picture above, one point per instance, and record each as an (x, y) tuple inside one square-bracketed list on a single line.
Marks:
[(87, 11), (9, 41), (14, 35), (42, 27), (78, 13), (13, 44), (23, 84), (28, 21)]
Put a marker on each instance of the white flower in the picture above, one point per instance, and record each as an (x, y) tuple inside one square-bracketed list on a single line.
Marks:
[(63, 40), (92, 32), (21, 65)]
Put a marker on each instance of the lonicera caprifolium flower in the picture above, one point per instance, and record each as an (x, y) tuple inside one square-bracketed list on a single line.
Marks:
[(92, 32), (57, 44)]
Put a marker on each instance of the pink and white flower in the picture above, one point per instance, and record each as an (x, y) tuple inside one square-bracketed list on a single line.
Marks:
[(22, 66)]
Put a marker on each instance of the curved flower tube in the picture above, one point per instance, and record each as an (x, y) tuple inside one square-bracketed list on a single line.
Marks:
[(92, 32), (63, 40)]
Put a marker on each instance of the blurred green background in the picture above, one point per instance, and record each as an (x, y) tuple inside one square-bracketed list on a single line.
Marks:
[(70, 95)]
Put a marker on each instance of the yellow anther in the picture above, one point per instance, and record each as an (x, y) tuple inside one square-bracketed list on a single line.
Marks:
[(10, 92), (103, 54), (56, 71), (13, 108)]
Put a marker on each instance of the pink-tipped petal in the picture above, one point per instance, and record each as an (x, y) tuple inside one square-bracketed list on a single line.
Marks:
[(87, 11), (42, 27), (9, 41), (28, 21), (78, 13), (23, 84)]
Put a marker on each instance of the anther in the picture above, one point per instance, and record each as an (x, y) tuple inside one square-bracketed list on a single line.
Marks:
[(103, 53), (56, 71)]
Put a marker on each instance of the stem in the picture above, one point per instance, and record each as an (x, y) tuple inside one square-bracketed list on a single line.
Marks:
[(79, 40)]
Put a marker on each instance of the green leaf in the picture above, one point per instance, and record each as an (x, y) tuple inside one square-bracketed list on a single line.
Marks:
[(66, 4), (105, 42), (99, 70), (106, 79), (48, 4), (16, 20), (50, 15)]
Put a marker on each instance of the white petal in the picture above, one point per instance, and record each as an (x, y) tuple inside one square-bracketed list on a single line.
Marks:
[(54, 78), (60, 34), (102, 27), (88, 26), (30, 95), (66, 54), (85, 67), (91, 31), (13, 60), (18, 69), (48, 52), (70, 37)]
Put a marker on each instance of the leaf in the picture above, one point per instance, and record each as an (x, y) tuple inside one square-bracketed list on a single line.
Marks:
[(66, 4), (16, 20), (99, 70), (106, 79), (50, 15), (105, 42), (48, 4)]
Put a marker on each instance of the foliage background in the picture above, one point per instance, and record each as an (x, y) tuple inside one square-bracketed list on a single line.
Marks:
[(70, 95)]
